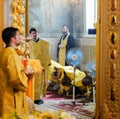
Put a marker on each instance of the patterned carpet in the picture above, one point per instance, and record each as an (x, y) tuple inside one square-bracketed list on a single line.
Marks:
[(78, 110)]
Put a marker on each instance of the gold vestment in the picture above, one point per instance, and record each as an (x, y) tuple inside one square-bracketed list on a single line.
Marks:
[(79, 75), (13, 85), (62, 51), (40, 50)]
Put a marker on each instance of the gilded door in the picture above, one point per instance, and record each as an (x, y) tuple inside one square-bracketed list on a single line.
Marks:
[(108, 60)]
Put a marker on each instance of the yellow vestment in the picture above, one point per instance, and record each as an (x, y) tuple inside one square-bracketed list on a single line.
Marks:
[(62, 51), (69, 70), (40, 50), (13, 85)]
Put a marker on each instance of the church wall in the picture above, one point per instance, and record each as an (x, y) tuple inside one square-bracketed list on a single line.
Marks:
[(49, 18), (79, 18), (8, 16), (87, 46)]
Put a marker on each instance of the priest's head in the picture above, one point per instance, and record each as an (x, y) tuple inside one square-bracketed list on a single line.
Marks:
[(65, 29), (33, 34), (11, 37)]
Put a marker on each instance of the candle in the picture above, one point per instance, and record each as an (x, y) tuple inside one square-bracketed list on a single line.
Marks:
[(24, 61)]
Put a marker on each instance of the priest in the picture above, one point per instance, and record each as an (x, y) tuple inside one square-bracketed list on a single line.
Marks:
[(39, 49), (66, 42), (13, 77)]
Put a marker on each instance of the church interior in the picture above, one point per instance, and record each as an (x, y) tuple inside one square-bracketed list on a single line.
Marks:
[(94, 24)]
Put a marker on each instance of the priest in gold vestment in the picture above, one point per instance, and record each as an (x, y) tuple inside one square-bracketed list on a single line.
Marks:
[(13, 78), (39, 49), (66, 42)]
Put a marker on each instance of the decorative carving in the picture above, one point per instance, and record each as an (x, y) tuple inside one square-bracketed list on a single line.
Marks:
[(113, 37), (112, 71), (113, 20), (112, 96), (113, 5), (20, 49), (27, 51), (110, 33), (18, 9), (113, 54)]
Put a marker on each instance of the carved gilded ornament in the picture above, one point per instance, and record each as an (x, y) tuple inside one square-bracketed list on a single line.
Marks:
[(111, 65), (113, 54), (113, 37), (113, 5), (18, 9), (112, 71), (113, 20)]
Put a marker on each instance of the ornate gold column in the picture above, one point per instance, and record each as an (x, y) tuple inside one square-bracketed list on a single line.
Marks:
[(18, 9)]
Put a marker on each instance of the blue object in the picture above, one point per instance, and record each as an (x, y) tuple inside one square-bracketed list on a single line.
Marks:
[(89, 66), (74, 57), (91, 31)]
